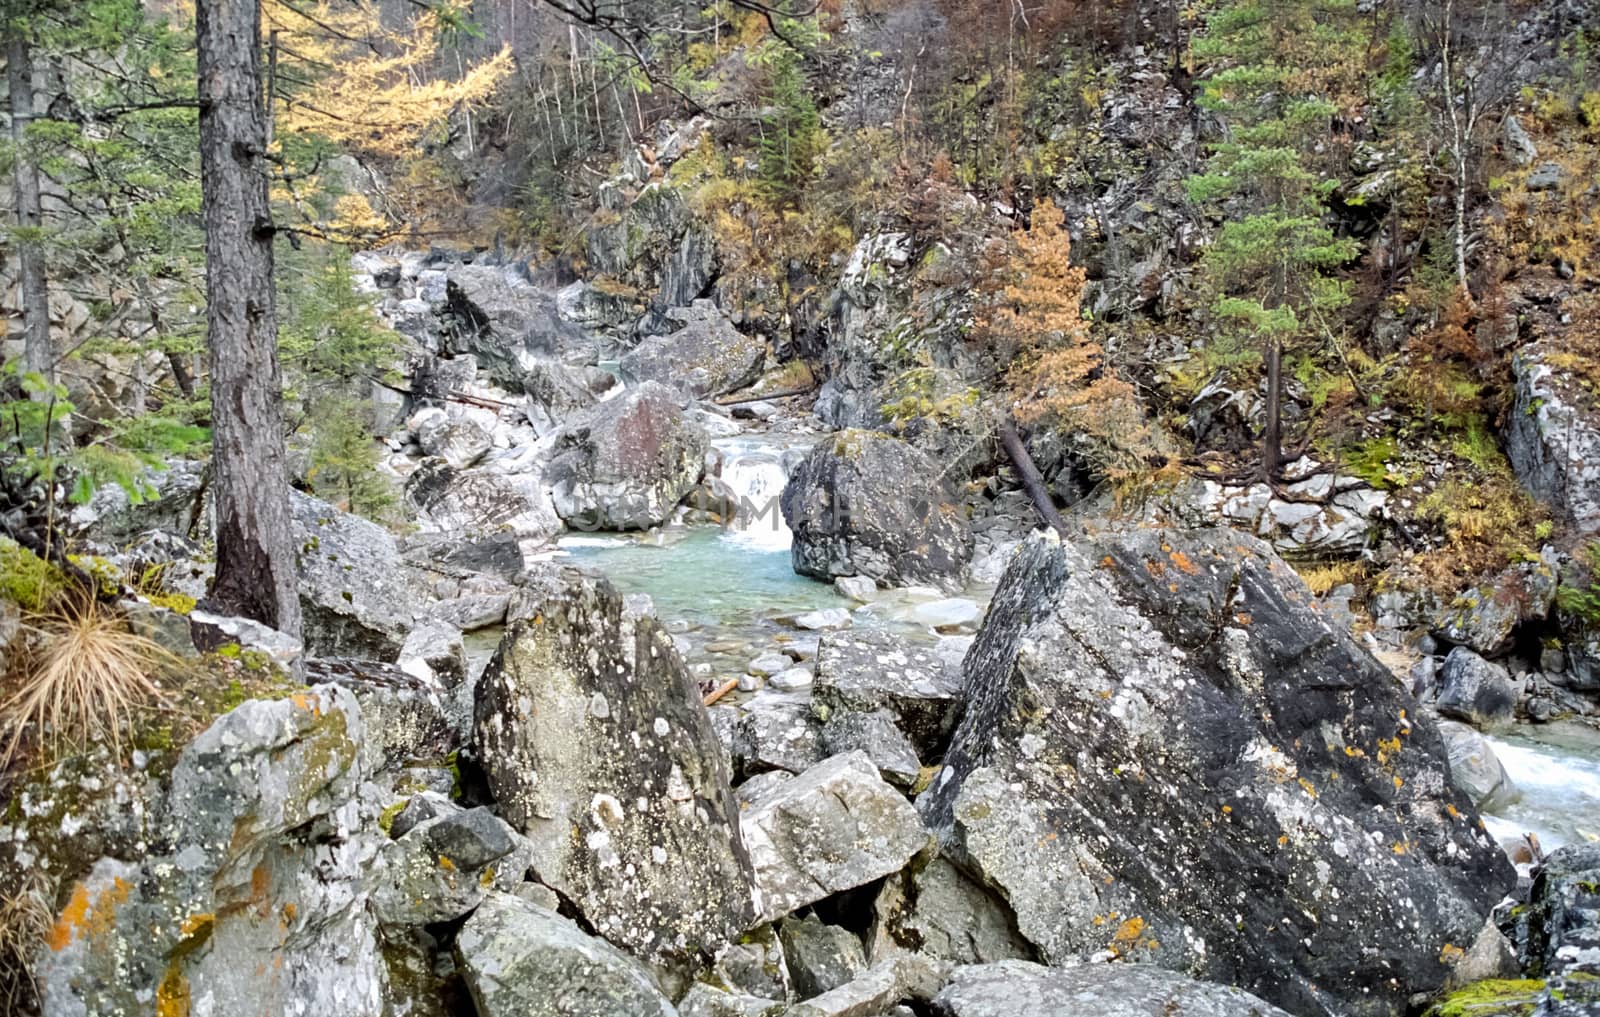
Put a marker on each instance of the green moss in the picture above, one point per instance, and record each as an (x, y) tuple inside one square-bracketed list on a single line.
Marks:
[(386, 817), (25, 578), (178, 603), (1493, 998), (1370, 460)]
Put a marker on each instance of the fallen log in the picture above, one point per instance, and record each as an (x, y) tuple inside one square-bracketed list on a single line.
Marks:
[(1032, 479)]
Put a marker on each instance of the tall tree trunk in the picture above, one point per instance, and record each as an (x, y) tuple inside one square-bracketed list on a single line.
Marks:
[(1272, 435), (37, 355), (255, 547)]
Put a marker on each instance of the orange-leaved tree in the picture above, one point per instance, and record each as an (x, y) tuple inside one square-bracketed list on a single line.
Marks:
[(1058, 377)]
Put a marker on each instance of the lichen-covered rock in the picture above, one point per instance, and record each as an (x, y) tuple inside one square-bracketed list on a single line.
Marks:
[(406, 716), (1021, 989), (877, 735), (1563, 918), (354, 594), (1484, 618), (460, 442), (704, 1001), (171, 503), (835, 827), (435, 652), (1476, 691), (820, 956), (868, 670), (1475, 768), (627, 463), (653, 247), (1167, 756), (867, 504), (556, 392), (250, 896), (440, 869), (521, 960), (1553, 439), (704, 355), (773, 730), (595, 745)]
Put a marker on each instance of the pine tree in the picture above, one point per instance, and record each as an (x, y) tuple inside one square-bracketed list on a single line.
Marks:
[(1276, 71)]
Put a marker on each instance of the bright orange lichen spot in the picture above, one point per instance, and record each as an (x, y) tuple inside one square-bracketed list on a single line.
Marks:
[(1227, 809), (1451, 954), (1453, 812), (289, 912), (1401, 848), (446, 864), (196, 923), (260, 883), (1155, 568), (1129, 931), (1183, 564), (71, 918), (172, 995), (1399, 783)]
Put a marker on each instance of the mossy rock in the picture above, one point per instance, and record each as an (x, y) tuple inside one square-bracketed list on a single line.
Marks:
[(1492, 998)]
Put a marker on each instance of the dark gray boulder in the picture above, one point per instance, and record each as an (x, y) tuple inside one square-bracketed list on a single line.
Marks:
[(591, 734), (521, 960), (1562, 934), (556, 392), (627, 462), (1021, 989), (1168, 756), (820, 956), (1476, 691), (867, 504), (704, 355)]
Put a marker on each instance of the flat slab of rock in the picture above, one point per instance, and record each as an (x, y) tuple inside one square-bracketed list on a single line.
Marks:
[(521, 960), (867, 670), (1021, 989), (1168, 756), (835, 827), (595, 745)]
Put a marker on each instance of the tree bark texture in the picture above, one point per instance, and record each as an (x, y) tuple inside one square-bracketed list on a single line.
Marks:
[(37, 355), (256, 571), (1032, 479), (1272, 436)]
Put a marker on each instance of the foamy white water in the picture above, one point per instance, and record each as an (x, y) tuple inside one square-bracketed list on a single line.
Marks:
[(754, 473), (1558, 774)]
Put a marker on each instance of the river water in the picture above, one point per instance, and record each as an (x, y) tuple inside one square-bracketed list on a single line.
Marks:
[(1557, 769)]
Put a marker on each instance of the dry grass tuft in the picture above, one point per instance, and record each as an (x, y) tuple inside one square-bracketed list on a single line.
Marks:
[(25, 920), (81, 679)]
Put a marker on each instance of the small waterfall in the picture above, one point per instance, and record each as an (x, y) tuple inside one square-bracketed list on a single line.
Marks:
[(755, 476)]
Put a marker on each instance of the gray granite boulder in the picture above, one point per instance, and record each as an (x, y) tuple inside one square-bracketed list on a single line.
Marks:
[(522, 960), (1553, 439), (835, 827), (591, 734), (626, 463), (1475, 768), (868, 670), (355, 597), (704, 355), (1168, 756)]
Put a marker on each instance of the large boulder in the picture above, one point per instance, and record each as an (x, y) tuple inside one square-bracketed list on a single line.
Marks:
[(704, 356), (867, 504), (556, 392), (1485, 618), (1166, 755), (1553, 439), (504, 321), (1563, 920), (1021, 989), (868, 671), (652, 247), (835, 827), (595, 745), (521, 960), (627, 463), (354, 594), (505, 495), (1476, 690), (1475, 768)]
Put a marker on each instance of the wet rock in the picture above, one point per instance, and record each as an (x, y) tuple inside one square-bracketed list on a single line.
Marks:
[(825, 618), (354, 594), (1476, 691), (869, 670), (594, 743), (1161, 710), (832, 828), (820, 957), (1021, 989), (626, 464), (704, 355), (1475, 768), (1553, 440), (861, 588), (866, 504), (938, 911), (521, 960), (1563, 920)]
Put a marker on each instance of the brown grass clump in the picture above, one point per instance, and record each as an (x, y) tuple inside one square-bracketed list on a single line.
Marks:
[(25, 919), (81, 678)]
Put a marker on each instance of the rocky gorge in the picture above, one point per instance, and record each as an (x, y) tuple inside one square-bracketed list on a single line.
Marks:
[(962, 770)]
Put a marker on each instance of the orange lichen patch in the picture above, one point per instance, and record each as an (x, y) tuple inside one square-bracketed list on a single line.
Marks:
[(260, 883), (196, 923), (1387, 747), (1353, 752), (1127, 933), (1400, 847), (1243, 618), (1227, 809), (1155, 568), (289, 911), (1283, 840), (1183, 564), (446, 864), (1398, 783), (308, 702), (1306, 786), (1452, 811), (1451, 954), (172, 995), (71, 918)]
